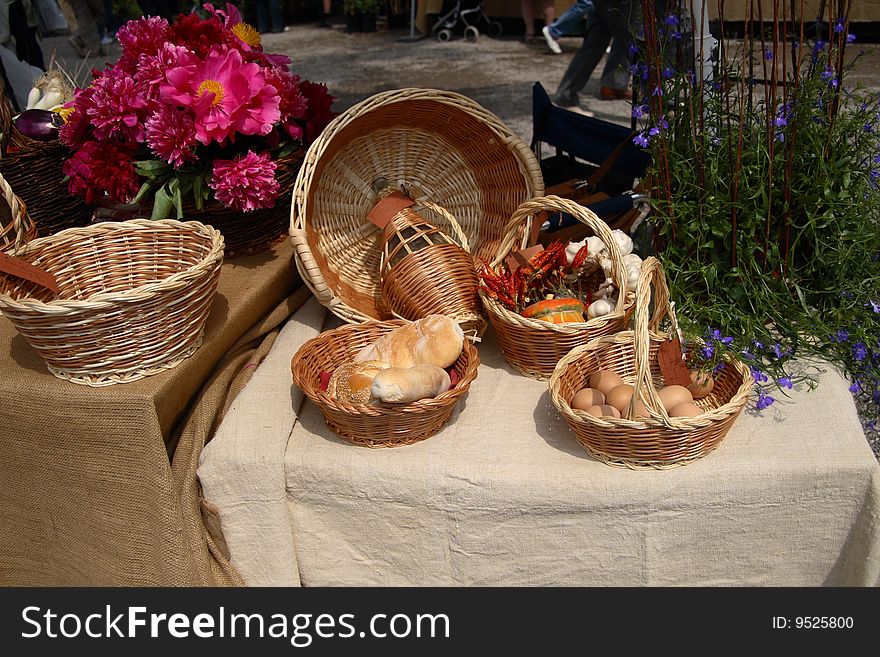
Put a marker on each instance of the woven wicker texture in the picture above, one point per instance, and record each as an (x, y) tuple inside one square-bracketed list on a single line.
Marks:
[(133, 299), (381, 425), (435, 146), (660, 441), (424, 271), (33, 169), (16, 226), (533, 346), (248, 233)]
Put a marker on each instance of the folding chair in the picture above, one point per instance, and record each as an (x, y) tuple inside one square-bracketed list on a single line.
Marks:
[(595, 163)]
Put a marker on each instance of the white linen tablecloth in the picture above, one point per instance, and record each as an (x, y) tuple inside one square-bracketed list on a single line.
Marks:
[(504, 495)]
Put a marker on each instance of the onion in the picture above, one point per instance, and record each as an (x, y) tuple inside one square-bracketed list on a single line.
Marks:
[(39, 124)]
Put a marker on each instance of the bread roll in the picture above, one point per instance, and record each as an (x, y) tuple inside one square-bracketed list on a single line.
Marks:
[(433, 340), (401, 385), (351, 382)]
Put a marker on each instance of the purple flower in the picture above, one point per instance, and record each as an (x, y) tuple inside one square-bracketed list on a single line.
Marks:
[(764, 400), (668, 72), (780, 122), (874, 306), (717, 369), (758, 345), (784, 382), (778, 350), (856, 387), (639, 111), (671, 19), (654, 131), (840, 336), (633, 49), (859, 351), (641, 140), (708, 351), (838, 26), (757, 374), (747, 354), (768, 55), (850, 37)]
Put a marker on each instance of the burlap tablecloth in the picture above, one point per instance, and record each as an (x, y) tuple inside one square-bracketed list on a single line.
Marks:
[(99, 484), (504, 495)]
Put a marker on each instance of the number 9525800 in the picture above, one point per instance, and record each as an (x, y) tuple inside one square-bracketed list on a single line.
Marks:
[(823, 622)]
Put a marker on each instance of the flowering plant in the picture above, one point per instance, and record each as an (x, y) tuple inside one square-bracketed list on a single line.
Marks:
[(765, 177), (191, 107)]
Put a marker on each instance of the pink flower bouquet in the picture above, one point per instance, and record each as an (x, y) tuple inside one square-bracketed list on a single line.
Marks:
[(192, 107)]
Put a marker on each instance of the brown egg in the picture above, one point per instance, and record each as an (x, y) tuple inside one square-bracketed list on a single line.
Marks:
[(702, 384), (619, 397), (672, 396), (603, 410), (639, 411), (586, 397), (605, 380), (686, 409)]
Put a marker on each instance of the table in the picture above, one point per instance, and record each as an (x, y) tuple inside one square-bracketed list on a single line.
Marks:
[(504, 495), (99, 484)]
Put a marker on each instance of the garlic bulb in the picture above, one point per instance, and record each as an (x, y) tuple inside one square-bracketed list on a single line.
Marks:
[(632, 260), (623, 240), (632, 277), (595, 246), (599, 308)]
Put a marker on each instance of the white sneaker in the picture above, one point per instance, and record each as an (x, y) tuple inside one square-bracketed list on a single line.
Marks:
[(552, 43)]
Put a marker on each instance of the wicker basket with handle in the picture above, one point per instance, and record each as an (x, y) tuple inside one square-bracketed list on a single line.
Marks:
[(34, 170), (532, 346), (658, 441), (441, 149), (379, 425), (133, 297)]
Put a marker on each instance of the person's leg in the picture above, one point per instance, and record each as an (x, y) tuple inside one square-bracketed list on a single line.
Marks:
[(624, 21), (86, 40), (326, 8), (583, 63), (262, 10), (27, 49), (275, 17), (528, 14), (569, 20)]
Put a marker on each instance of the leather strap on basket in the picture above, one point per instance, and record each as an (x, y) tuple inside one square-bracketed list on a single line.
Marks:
[(650, 273), (527, 213)]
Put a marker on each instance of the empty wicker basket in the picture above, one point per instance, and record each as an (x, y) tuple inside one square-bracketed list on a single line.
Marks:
[(133, 299), (381, 425), (659, 441), (532, 346), (440, 149)]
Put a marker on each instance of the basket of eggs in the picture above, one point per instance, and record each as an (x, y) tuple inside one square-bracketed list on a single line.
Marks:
[(387, 383), (544, 304), (630, 398)]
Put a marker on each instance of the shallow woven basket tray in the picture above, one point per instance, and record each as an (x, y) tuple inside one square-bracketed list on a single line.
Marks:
[(532, 346), (381, 425), (438, 147), (660, 441), (133, 300)]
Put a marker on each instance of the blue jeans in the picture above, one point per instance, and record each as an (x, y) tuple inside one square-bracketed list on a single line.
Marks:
[(572, 16)]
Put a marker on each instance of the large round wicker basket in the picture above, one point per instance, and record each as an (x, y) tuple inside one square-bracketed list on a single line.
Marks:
[(437, 147), (379, 425), (658, 441), (134, 297), (532, 346)]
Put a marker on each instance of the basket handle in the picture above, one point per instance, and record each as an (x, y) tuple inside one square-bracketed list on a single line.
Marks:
[(21, 229), (650, 273), (461, 238), (525, 214)]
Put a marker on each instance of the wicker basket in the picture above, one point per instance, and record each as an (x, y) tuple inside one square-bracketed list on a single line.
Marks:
[(34, 170), (248, 233), (532, 346), (659, 441), (133, 300), (435, 146), (381, 425), (425, 272)]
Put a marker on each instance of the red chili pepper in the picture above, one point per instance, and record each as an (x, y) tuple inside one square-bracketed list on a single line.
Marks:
[(579, 258)]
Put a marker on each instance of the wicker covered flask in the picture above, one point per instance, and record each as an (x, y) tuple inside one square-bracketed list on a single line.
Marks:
[(423, 270)]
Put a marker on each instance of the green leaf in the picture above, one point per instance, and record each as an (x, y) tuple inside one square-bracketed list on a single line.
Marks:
[(152, 168), (162, 204)]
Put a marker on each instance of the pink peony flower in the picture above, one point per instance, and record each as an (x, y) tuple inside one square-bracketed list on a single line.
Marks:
[(151, 68), (226, 96), (141, 36), (246, 183), (117, 107), (97, 168), (76, 129), (294, 105), (320, 112), (171, 135), (245, 37)]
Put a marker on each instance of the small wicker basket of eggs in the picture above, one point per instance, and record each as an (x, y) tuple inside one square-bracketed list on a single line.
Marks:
[(614, 394)]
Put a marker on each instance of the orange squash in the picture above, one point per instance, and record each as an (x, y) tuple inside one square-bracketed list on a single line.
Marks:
[(556, 311)]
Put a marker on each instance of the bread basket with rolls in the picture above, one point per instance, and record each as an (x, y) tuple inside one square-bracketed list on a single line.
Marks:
[(388, 383), (533, 346), (646, 431)]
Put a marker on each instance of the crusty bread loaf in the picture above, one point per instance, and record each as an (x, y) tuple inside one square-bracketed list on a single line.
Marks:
[(351, 382), (433, 340), (407, 384)]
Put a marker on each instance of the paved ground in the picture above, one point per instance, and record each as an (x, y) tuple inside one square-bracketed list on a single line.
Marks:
[(497, 73)]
